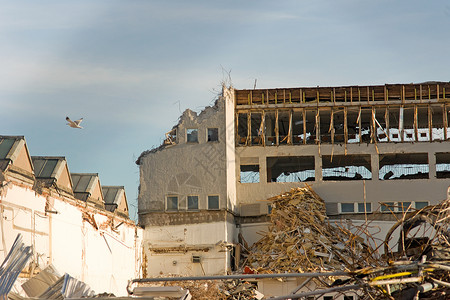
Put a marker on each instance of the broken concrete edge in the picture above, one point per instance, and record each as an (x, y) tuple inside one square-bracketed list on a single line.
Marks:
[(188, 113)]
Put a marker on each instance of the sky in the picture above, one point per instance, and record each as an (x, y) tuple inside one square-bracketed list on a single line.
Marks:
[(130, 68)]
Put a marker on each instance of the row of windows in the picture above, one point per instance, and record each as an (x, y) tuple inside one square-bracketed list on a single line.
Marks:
[(192, 135), (347, 167), (172, 203), (361, 207)]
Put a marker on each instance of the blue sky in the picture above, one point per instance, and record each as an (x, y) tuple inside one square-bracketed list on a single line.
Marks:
[(129, 68)]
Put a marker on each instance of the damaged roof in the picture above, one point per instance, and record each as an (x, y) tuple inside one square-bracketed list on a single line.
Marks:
[(86, 187), (115, 199)]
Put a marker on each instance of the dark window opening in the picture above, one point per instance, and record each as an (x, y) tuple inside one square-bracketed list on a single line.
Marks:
[(442, 165), (290, 169), (269, 128), (346, 167), (311, 130), (242, 131), (364, 207), (172, 203), (347, 207), (403, 166), (256, 129), (437, 124), (284, 126), (213, 134), (213, 202), (192, 135), (192, 202), (353, 125), (420, 204), (249, 173), (297, 128), (387, 207)]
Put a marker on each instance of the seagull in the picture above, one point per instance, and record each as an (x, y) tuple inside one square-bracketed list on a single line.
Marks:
[(74, 124)]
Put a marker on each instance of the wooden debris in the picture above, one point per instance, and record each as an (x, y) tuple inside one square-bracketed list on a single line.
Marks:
[(300, 239)]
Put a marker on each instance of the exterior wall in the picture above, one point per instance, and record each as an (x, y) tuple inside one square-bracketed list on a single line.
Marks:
[(433, 189), (170, 249), (103, 258), (230, 148)]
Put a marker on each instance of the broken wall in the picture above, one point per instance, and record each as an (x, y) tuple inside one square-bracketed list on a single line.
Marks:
[(94, 246)]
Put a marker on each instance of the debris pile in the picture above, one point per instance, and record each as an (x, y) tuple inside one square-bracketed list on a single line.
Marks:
[(300, 239)]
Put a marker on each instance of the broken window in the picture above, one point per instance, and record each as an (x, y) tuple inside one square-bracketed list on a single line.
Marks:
[(346, 167), (213, 134), (256, 128), (213, 202), (192, 202), (284, 127), (443, 165), (172, 203), (270, 128), (192, 135), (249, 173), (297, 128), (242, 129), (403, 166), (290, 169)]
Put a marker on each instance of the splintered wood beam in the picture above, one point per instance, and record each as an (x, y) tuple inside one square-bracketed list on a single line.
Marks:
[(386, 119), (416, 125), (345, 126), (359, 124), (373, 128), (289, 139), (277, 136), (263, 128), (304, 126), (430, 122), (317, 127), (445, 119), (249, 128)]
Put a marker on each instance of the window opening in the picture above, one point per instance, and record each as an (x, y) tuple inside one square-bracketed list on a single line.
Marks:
[(347, 207), (284, 127), (420, 204), (437, 121), (353, 125), (256, 129), (387, 207), (422, 124), (290, 169), (213, 134), (192, 135), (192, 202), (442, 165), (297, 128), (403, 166), (368, 207), (311, 126), (242, 131), (269, 128), (172, 203), (249, 173), (213, 202), (346, 167)]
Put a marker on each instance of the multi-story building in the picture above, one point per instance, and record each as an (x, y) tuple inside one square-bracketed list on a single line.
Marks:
[(368, 151)]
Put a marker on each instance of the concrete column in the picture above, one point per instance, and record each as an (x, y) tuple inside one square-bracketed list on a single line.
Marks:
[(318, 167), (374, 165), (432, 164)]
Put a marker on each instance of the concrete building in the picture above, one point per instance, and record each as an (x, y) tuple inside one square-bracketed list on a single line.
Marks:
[(368, 151), (63, 217)]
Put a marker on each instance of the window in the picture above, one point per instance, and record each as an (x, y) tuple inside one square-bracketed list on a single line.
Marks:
[(213, 134), (368, 207), (403, 166), (290, 169), (192, 135), (404, 206), (327, 297), (172, 203), (213, 202), (192, 202), (249, 173), (348, 297), (420, 204), (347, 207), (346, 167), (387, 207), (442, 165)]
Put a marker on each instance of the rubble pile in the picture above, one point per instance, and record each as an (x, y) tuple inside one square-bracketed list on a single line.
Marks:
[(300, 239)]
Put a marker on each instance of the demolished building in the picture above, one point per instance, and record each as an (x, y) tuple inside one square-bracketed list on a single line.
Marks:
[(70, 221), (368, 151)]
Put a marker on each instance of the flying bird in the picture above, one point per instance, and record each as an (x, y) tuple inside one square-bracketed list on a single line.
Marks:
[(74, 124)]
